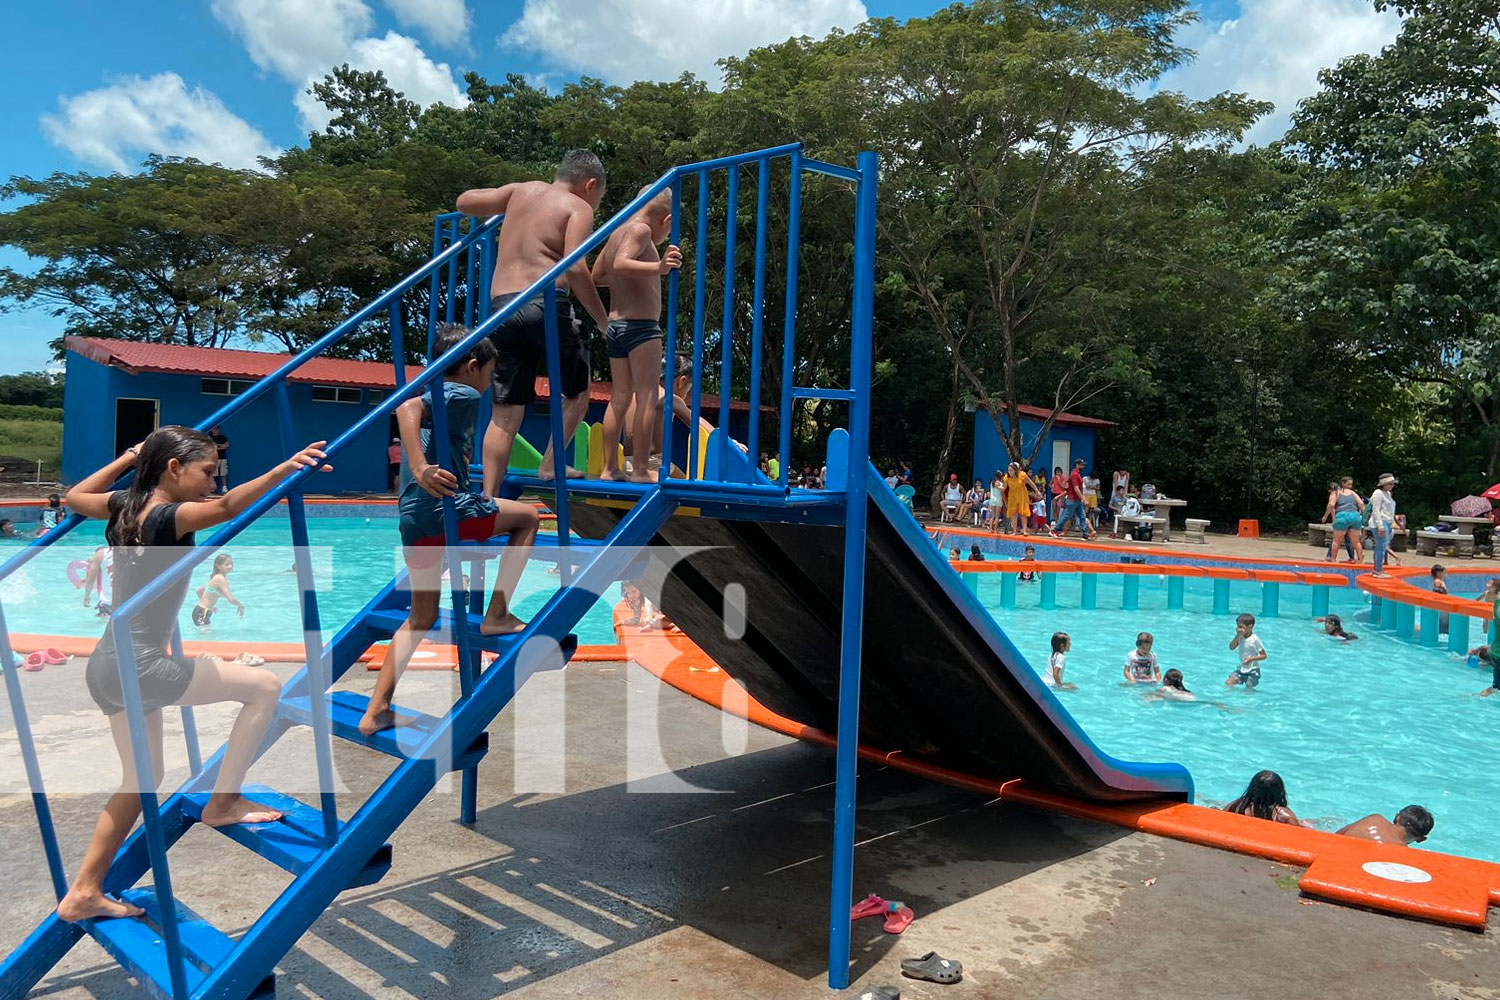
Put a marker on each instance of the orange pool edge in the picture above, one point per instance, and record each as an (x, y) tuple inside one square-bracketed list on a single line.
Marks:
[(1459, 892)]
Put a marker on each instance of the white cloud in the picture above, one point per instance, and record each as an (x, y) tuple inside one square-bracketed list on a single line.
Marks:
[(628, 40), (116, 126), (1274, 49), (296, 39), (445, 22), (406, 67)]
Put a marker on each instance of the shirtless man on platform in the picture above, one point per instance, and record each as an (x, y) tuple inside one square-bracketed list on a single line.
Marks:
[(543, 224)]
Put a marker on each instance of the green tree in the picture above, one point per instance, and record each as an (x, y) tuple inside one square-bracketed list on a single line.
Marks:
[(32, 389)]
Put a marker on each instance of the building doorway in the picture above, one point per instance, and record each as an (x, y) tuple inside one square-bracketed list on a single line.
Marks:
[(1062, 455), (134, 420)]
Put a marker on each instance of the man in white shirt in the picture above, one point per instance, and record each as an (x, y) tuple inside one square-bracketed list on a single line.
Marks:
[(1382, 518)]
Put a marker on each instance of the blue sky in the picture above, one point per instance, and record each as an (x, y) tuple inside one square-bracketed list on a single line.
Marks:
[(96, 86)]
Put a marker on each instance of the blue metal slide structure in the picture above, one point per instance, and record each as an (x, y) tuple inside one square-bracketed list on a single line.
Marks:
[(860, 539)]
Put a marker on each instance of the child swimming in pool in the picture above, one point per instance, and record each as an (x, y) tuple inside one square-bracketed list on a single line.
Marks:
[(1333, 626), (217, 587), (151, 524), (1141, 666), (1252, 653), (1028, 575), (1171, 689), (1439, 578), (1265, 798), (1053, 675), (422, 531)]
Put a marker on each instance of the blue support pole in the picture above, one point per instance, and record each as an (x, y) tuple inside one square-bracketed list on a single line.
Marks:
[(726, 327), (1431, 627), (758, 299), (971, 580), (1388, 614), (451, 284), (700, 308), (1458, 633), (31, 763), (471, 288), (1088, 598), (1406, 621), (852, 624), (789, 321), (1221, 597), (1049, 591), (1270, 599), (1176, 587), (433, 285), (555, 418), (398, 343), (673, 280), (318, 670), (1320, 602), (189, 720), (1007, 590), (1375, 612), (1130, 592)]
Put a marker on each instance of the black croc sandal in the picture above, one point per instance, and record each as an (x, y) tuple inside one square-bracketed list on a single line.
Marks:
[(933, 968), (880, 993)]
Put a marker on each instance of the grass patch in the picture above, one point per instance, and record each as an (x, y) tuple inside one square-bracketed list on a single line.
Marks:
[(32, 441)]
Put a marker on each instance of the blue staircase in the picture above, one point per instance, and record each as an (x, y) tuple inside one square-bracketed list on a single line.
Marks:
[(173, 952)]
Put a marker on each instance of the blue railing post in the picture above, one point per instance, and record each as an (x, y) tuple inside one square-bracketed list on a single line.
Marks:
[(471, 287), (318, 671), (757, 321), (398, 343), (433, 286), (700, 307), (48, 830), (669, 359), (789, 323), (555, 418), (852, 624), (189, 721), (145, 777), (726, 329), (451, 283)]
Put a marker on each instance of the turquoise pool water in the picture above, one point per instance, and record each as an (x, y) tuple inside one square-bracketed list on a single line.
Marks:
[(1353, 728), (352, 558)]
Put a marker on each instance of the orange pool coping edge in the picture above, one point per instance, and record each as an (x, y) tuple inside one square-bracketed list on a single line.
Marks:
[(1459, 892)]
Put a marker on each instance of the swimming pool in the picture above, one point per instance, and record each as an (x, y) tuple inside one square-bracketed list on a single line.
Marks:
[(1353, 728), (352, 555)]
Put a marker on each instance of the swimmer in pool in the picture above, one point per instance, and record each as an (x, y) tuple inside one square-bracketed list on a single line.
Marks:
[(1265, 798), (217, 587), (1141, 666), (1333, 626), (1409, 826), (1171, 689), (1486, 656)]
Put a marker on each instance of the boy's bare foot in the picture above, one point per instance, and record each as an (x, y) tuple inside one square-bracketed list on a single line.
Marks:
[(237, 810), (376, 720), (76, 906), (547, 476), (508, 625), (612, 476), (644, 478)]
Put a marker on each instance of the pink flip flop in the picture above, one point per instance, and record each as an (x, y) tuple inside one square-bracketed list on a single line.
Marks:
[(35, 661), (871, 906), (54, 657), (899, 919)]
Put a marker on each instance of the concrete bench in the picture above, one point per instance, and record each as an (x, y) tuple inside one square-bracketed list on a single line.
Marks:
[(1319, 534), (1195, 529), (1428, 542), (1134, 519)]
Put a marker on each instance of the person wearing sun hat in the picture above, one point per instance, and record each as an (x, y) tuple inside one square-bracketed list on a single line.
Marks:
[(1382, 518)]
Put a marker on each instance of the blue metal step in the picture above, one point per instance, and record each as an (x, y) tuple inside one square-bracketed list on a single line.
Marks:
[(137, 945), (293, 842), (388, 621), (405, 742)]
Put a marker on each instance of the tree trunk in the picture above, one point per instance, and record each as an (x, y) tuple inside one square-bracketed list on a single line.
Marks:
[(949, 431)]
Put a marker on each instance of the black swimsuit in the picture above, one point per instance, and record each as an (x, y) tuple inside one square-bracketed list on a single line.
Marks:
[(163, 677)]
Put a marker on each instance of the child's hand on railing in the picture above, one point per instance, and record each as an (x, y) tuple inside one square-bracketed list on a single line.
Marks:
[(436, 480), (310, 457), (671, 260)]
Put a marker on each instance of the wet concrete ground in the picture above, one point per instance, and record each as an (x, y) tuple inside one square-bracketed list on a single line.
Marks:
[(631, 883)]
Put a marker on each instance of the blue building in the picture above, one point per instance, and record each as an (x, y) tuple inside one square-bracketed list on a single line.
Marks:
[(1070, 437), (118, 391)]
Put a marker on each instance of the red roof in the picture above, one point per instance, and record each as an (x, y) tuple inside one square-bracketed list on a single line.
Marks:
[(135, 356), (1063, 417)]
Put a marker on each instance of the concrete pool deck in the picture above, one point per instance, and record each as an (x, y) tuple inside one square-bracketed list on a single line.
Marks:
[(627, 886)]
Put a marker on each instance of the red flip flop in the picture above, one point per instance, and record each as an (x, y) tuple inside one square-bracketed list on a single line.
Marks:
[(35, 661), (871, 906), (899, 919), (54, 657)]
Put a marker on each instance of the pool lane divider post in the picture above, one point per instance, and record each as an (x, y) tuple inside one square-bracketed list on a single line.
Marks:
[(1458, 633), (1007, 590), (1176, 586), (971, 580), (1431, 624), (1270, 599), (1130, 593), (1221, 596), (1406, 621), (1088, 593), (1049, 591), (1320, 601), (1388, 614)]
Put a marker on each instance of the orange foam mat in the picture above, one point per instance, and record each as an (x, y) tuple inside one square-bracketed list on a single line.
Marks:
[(1441, 887)]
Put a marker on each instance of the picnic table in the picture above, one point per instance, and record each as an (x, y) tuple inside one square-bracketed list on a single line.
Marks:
[(1165, 513), (1482, 528)]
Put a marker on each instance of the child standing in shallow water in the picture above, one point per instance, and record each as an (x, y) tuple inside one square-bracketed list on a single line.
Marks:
[(1141, 666), (217, 587), (1251, 654), (150, 525), (421, 506), (1053, 675)]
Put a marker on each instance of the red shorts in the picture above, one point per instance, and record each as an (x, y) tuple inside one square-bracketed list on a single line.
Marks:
[(428, 552)]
